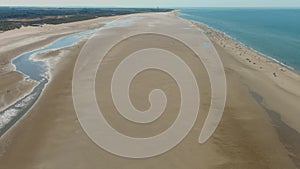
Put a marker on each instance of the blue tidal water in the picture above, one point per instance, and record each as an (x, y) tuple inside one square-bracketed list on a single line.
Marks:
[(273, 32), (39, 72)]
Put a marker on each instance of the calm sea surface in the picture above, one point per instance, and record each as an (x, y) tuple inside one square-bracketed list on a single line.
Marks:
[(273, 32)]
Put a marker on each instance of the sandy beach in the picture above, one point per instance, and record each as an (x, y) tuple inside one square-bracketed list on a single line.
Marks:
[(259, 128)]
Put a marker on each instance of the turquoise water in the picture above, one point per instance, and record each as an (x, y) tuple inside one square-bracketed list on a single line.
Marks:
[(273, 32)]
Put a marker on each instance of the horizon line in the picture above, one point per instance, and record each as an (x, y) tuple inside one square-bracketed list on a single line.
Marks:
[(173, 7)]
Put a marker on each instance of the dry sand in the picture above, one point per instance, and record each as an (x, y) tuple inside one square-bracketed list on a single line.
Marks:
[(50, 135)]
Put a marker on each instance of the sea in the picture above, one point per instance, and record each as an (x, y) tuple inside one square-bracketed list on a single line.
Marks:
[(273, 32)]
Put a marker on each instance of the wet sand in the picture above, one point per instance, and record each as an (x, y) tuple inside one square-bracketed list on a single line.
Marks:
[(18, 41), (50, 136)]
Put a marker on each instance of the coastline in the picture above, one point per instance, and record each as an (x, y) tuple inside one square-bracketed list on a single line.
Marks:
[(50, 134), (288, 133), (245, 26), (249, 48), (283, 77)]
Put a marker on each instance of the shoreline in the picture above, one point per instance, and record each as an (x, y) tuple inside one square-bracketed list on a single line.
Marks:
[(250, 48), (292, 69), (288, 134), (251, 58), (268, 59)]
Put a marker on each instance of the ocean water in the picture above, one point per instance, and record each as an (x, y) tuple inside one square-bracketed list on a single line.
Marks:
[(273, 32)]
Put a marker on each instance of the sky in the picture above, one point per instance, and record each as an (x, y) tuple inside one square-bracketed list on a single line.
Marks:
[(154, 3)]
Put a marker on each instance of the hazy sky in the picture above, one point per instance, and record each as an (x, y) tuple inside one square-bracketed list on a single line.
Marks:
[(155, 3)]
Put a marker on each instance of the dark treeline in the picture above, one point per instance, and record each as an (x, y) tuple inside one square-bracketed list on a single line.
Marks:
[(15, 17)]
